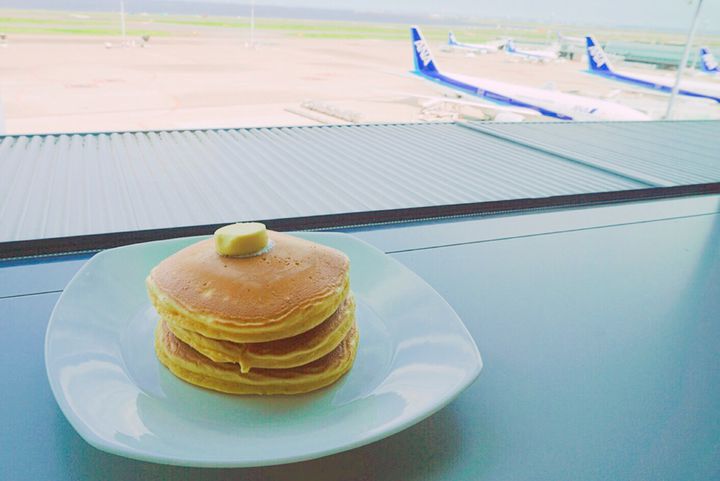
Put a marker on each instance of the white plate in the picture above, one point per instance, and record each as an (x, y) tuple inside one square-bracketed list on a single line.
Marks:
[(414, 357)]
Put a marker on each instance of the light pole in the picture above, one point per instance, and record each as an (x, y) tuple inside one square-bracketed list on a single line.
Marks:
[(252, 24), (2, 119), (683, 62), (122, 20)]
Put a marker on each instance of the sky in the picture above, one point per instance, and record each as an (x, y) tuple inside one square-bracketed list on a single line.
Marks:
[(650, 13), (665, 14)]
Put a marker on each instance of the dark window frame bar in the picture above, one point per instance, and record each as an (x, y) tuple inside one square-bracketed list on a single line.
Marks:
[(95, 242)]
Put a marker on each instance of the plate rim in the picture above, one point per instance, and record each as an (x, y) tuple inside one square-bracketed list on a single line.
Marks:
[(84, 430)]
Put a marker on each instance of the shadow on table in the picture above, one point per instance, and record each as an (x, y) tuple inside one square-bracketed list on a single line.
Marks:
[(423, 451), (696, 391)]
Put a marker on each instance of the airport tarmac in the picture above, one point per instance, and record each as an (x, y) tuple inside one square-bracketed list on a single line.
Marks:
[(71, 83)]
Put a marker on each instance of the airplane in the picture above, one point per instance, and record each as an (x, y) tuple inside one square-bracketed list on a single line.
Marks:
[(486, 92), (472, 47), (708, 63), (537, 55), (599, 65)]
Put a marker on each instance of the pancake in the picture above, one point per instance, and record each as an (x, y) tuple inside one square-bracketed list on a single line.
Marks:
[(279, 354), (282, 292), (191, 366)]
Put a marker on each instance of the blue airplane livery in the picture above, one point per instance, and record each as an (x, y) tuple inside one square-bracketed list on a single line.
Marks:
[(599, 65), (708, 63), (484, 92)]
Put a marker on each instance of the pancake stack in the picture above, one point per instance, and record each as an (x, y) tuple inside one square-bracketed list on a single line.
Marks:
[(280, 320)]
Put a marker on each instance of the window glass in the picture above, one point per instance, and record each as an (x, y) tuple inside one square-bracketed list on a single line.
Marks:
[(85, 66)]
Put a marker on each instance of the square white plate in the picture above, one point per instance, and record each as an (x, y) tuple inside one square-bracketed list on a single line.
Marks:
[(414, 357)]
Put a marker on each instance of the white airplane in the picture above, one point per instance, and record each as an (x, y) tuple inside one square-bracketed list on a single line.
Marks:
[(482, 48), (487, 92), (537, 55), (599, 65)]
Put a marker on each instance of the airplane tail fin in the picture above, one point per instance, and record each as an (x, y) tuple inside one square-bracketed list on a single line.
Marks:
[(597, 59), (451, 39), (708, 61), (422, 57)]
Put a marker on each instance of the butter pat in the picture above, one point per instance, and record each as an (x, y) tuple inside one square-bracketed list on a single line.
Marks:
[(241, 239)]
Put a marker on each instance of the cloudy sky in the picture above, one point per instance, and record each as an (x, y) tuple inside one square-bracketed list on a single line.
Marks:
[(650, 13), (674, 14)]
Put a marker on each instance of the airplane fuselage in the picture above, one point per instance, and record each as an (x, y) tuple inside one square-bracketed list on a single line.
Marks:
[(557, 105), (661, 84)]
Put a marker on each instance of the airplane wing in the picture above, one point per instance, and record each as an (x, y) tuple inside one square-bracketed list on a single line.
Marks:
[(470, 103), (628, 90), (639, 91), (636, 92), (612, 94)]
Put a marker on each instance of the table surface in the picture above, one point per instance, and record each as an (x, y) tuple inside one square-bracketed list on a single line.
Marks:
[(599, 329)]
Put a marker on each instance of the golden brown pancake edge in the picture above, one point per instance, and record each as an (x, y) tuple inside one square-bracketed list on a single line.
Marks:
[(194, 368), (288, 290), (282, 353)]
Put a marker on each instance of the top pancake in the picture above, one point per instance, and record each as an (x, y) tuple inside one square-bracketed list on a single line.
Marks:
[(290, 289)]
